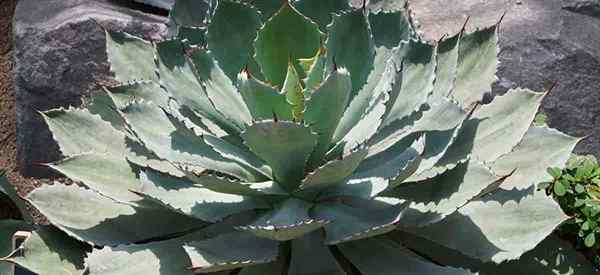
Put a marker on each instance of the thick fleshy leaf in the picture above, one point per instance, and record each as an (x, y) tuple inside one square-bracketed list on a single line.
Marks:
[(289, 220), (498, 227), (111, 175), (50, 251), (314, 69), (262, 269), (354, 222), (178, 77), (333, 172), (388, 257), (294, 94), (124, 94), (391, 163), (219, 88), (190, 12), (193, 36), (311, 256), (230, 34), (224, 185), (131, 58), (321, 11), (365, 188), (350, 45), (418, 59), (285, 146), (93, 218), (552, 149), (447, 61), (434, 199), (154, 258), (551, 256), (262, 99), (230, 251), (503, 123), (378, 6), (78, 131), (389, 28), (324, 109), (195, 200), (171, 140), (477, 65), (288, 35), (237, 152), (371, 99)]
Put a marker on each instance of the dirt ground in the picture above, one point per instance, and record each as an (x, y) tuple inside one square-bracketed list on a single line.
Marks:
[(8, 147)]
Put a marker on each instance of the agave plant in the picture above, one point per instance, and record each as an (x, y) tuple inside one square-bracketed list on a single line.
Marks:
[(306, 137)]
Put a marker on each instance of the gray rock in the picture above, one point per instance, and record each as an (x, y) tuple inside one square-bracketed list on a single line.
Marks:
[(60, 55), (541, 41)]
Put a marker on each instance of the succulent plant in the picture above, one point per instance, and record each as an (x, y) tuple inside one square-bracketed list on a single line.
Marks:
[(311, 137)]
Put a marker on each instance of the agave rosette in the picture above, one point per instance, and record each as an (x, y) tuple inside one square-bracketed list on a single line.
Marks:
[(301, 138)]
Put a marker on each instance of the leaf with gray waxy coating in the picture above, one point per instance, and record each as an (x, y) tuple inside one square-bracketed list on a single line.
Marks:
[(350, 45), (289, 220), (285, 146), (288, 35), (324, 109), (390, 163), (193, 36), (195, 200), (350, 223), (447, 61), (321, 11), (387, 257), (163, 4), (266, 7), (310, 256), (230, 35), (230, 251), (6, 188), (371, 98), (552, 146), (95, 219), (503, 123), (178, 77), (389, 28), (130, 57), (477, 65), (294, 93), (150, 91), (170, 139), (238, 153), (154, 258), (365, 188), (50, 251), (498, 227), (262, 99), (434, 199), (333, 172), (418, 59), (219, 88), (78, 131), (111, 175)]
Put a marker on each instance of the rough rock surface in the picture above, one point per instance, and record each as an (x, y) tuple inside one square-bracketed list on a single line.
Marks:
[(541, 41), (60, 57)]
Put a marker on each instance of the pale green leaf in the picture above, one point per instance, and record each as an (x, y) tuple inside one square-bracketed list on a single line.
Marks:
[(447, 61), (230, 251), (288, 35), (389, 28), (50, 251), (333, 172), (321, 11), (477, 65), (285, 146), (310, 255), (289, 220), (195, 200), (293, 91), (124, 94), (189, 12), (262, 99), (388, 257), (230, 34), (131, 58), (350, 45), (324, 109)]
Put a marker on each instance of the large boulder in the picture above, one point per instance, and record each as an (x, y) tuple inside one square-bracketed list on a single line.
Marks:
[(541, 42), (60, 57)]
